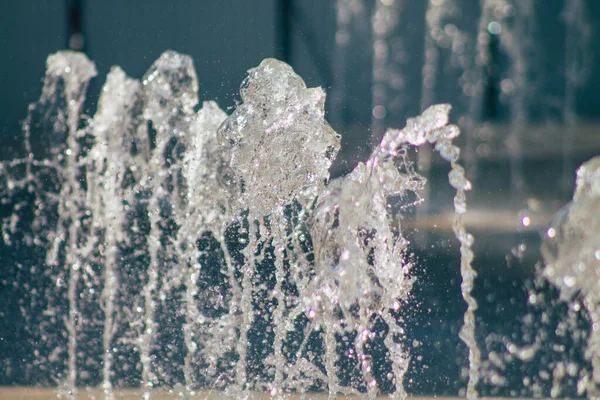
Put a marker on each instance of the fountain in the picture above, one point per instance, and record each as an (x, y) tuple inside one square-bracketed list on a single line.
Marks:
[(213, 251), (178, 247)]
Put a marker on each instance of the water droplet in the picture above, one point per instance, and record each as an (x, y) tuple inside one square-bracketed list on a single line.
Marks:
[(569, 281), (494, 28)]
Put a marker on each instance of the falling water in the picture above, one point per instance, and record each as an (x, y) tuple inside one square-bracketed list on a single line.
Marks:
[(57, 159), (216, 230), (108, 194), (441, 135)]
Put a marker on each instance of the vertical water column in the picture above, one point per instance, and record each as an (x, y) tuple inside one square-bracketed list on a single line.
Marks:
[(432, 126), (74, 71), (352, 30), (477, 78), (278, 233), (511, 23), (475, 82), (518, 42), (115, 129), (247, 311), (384, 22), (51, 174), (208, 210), (72, 190), (467, 332), (437, 11), (280, 150), (170, 93), (343, 12), (577, 37)]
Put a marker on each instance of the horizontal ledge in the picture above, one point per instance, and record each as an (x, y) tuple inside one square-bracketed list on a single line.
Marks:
[(32, 393), (487, 220)]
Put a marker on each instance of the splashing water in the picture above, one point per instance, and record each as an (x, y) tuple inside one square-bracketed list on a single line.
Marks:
[(211, 250), (571, 251)]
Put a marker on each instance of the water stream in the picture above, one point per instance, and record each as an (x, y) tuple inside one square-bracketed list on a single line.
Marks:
[(225, 228)]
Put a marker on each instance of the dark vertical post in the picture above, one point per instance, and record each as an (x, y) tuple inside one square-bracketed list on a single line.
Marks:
[(283, 30), (75, 34), (492, 90)]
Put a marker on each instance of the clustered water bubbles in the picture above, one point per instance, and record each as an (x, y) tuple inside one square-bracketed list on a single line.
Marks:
[(280, 146), (571, 250)]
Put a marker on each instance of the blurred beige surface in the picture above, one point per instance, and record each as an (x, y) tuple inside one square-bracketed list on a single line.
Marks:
[(14, 393)]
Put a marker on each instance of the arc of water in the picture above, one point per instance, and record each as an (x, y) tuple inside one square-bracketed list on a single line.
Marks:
[(432, 126)]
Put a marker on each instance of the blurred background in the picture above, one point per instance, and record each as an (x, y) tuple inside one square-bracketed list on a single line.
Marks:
[(521, 76)]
